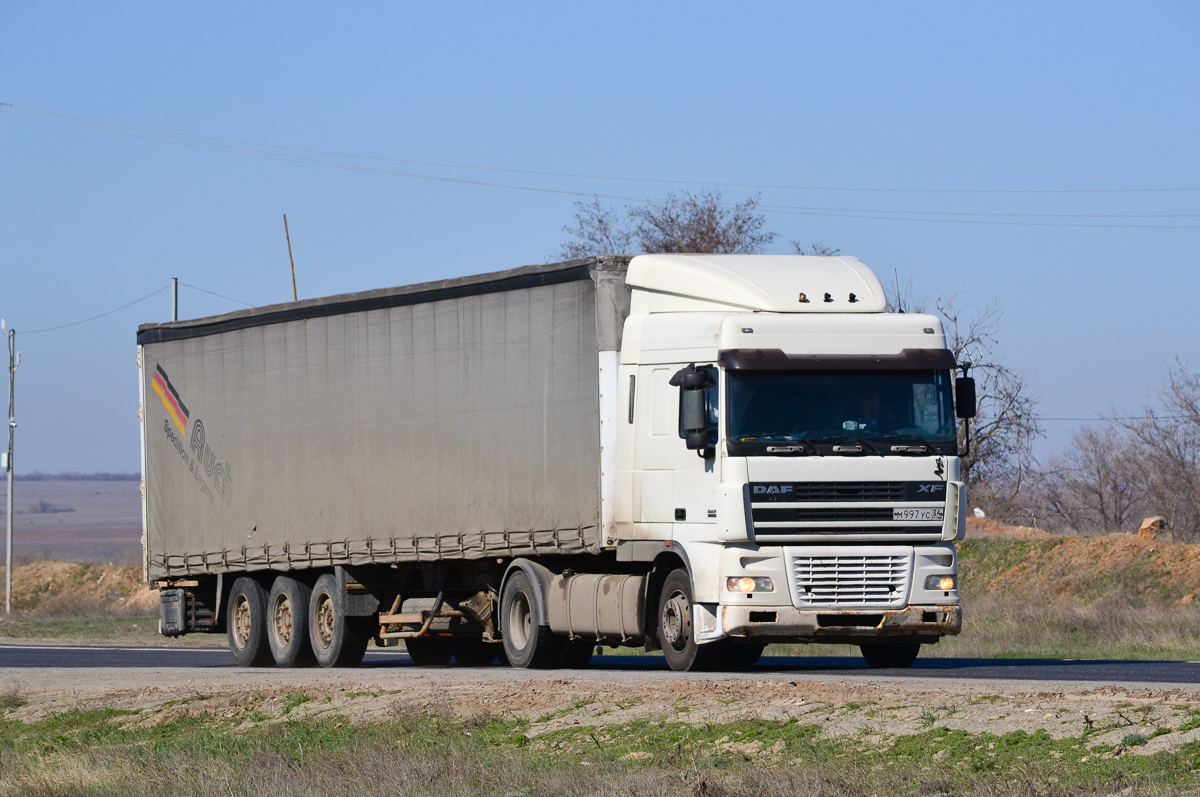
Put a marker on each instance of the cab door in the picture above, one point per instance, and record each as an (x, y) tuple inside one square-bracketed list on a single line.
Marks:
[(672, 484)]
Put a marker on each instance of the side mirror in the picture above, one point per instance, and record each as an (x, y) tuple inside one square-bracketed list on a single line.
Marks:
[(695, 418), (964, 397), (693, 404)]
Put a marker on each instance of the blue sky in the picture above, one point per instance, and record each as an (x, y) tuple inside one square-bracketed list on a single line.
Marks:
[(1012, 96)]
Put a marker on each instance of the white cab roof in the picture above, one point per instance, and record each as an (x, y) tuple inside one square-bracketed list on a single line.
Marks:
[(770, 283)]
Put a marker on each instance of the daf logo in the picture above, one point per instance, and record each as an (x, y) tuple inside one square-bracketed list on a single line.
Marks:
[(930, 488), (772, 489)]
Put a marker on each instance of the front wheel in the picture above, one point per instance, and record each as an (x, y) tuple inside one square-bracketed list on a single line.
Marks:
[(675, 633), (891, 656), (337, 640)]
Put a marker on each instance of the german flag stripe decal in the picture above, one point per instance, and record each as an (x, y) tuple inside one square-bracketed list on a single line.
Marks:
[(170, 398)]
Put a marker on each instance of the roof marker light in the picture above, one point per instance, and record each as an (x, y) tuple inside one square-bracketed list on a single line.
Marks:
[(803, 299), (828, 298), (853, 298)]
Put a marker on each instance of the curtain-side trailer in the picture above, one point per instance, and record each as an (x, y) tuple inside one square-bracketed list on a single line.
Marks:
[(696, 453)]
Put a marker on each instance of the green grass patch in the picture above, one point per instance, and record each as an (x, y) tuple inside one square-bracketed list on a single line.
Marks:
[(263, 750)]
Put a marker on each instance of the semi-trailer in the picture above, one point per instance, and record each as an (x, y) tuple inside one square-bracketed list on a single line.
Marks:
[(698, 454)]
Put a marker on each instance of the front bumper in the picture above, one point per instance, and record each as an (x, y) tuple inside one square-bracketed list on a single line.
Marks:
[(788, 624)]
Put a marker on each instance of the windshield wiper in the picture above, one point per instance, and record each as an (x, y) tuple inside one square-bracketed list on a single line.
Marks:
[(792, 444), (922, 446), (858, 442)]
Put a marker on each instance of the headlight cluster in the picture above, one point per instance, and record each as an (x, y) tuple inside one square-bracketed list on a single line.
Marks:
[(749, 584), (944, 583)]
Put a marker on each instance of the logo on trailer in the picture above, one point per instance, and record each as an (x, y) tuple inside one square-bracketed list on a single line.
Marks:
[(170, 398), (212, 474)]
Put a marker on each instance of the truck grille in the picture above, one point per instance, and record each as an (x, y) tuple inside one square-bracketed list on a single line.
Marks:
[(798, 514), (868, 578), (828, 491)]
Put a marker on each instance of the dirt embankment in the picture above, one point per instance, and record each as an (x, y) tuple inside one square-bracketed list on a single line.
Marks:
[(61, 589), (1019, 563), (1126, 568)]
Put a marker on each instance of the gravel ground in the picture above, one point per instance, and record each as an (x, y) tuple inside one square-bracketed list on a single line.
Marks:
[(871, 706)]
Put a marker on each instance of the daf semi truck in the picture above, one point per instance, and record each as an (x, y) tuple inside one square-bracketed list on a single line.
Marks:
[(698, 454)]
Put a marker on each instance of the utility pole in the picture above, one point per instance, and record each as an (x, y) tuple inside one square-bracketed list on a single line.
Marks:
[(174, 298), (295, 296), (13, 362)]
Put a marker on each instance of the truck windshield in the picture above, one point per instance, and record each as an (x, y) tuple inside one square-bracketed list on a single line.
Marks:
[(841, 405)]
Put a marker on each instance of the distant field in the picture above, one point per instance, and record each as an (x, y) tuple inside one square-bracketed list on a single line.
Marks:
[(78, 520)]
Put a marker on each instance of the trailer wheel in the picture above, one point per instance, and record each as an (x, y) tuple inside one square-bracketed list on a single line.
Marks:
[(675, 632), (429, 651), (527, 644), (246, 621), (894, 655), (337, 640), (287, 622)]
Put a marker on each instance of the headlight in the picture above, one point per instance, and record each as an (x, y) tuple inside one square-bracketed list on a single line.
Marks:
[(944, 583), (748, 584)]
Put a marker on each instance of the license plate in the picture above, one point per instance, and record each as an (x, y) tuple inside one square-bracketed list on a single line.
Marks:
[(922, 513)]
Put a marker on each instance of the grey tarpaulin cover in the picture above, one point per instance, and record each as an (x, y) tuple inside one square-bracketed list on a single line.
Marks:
[(449, 420)]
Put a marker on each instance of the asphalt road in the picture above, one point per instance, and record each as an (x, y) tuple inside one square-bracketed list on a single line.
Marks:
[(1178, 672)]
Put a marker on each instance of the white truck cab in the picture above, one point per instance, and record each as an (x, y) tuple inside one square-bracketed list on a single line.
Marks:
[(814, 495)]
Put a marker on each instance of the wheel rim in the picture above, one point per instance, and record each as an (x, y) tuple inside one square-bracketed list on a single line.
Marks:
[(674, 621), (324, 622), (281, 613), (520, 621), (243, 622)]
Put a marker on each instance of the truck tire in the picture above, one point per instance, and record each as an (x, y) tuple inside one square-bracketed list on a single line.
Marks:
[(674, 625), (246, 622), (429, 651), (337, 640), (527, 644), (890, 655), (287, 622)]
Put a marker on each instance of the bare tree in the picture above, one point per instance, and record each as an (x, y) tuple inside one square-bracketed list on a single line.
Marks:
[(598, 230), (1167, 450), (1096, 484), (1003, 432), (698, 222), (701, 222), (815, 248)]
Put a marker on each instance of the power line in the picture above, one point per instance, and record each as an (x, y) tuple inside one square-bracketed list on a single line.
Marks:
[(93, 318), (1119, 419), (304, 156), (214, 293)]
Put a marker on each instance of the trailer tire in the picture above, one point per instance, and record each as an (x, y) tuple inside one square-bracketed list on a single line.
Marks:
[(429, 651), (527, 644), (287, 622), (247, 624), (891, 655), (674, 627), (338, 640)]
